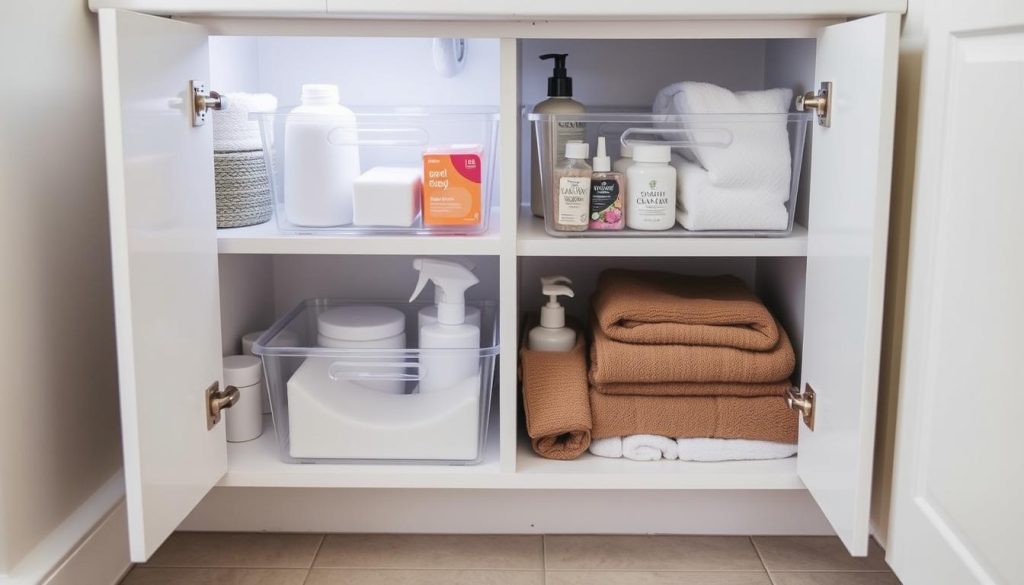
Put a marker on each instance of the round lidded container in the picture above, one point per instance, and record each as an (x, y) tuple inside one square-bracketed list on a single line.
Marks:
[(366, 327), (244, 420), (361, 327)]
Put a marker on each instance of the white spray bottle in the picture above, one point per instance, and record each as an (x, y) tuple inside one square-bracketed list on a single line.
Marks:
[(447, 368), (428, 315), (552, 334)]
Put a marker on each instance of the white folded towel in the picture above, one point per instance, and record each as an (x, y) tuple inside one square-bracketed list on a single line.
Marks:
[(610, 447), (759, 153), (701, 205), (649, 447), (732, 449), (233, 131)]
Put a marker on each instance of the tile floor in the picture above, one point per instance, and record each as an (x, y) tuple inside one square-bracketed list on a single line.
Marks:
[(196, 558)]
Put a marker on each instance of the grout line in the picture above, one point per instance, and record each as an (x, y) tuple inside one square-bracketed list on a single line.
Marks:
[(319, 547), (305, 579), (760, 557)]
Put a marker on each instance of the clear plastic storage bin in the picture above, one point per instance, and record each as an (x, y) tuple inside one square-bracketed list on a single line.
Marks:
[(335, 405), (391, 137), (742, 170)]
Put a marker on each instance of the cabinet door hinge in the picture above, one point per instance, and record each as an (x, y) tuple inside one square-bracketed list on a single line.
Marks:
[(803, 402), (217, 401), (202, 100), (820, 102)]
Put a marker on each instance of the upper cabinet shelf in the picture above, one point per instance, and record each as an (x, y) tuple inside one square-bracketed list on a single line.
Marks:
[(266, 239), (512, 9)]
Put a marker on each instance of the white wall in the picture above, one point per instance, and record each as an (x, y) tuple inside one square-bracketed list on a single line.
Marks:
[(59, 437)]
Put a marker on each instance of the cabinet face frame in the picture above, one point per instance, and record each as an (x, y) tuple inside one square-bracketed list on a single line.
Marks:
[(845, 506)]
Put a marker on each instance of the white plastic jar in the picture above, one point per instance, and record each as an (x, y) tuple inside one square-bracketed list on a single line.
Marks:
[(321, 159), (365, 327), (244, 420), (651, 189)]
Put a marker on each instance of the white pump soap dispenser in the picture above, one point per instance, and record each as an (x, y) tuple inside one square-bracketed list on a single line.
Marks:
[(447, 368), (552, 334)]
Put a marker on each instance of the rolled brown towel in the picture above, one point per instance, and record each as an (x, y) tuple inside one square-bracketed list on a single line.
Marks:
[(664, 308), (617, 362), (555, 400), (720, 417)]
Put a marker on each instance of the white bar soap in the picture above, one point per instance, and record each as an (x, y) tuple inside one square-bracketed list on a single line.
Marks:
[(387, 196)]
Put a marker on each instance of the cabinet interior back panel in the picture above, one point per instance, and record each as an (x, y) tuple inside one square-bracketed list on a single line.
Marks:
[(368, 71)]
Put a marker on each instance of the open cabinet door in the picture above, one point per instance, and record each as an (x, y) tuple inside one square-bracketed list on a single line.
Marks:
[(851, 163), (164, 260)]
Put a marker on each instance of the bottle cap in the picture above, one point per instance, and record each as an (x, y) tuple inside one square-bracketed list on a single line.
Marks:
[(652, 153), (626, 151), (602, 163), (577, 149), (319, 93), (559, 84), (360, 323), (242, 370)]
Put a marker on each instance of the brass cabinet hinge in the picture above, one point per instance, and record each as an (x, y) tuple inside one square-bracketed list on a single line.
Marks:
[(803, 402), (820, 102), (217, 400), (202, 100)]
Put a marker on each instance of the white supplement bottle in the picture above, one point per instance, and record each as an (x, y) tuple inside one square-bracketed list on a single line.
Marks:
[(625, 159), (651, 189), (244, 420), (321, 159)]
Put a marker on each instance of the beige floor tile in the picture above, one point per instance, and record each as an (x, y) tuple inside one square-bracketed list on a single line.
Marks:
[(650, 553), (232, 549), (432, 551), (818, 578), (815, 553), (422, 577), (655, 578), (185, 576)]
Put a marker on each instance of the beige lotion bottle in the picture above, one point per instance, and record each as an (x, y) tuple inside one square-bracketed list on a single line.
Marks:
[(559, 102), (572, 189)]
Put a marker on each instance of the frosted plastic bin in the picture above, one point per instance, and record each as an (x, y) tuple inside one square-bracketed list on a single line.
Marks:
[(730, 141), (323, 414), (394, 137)]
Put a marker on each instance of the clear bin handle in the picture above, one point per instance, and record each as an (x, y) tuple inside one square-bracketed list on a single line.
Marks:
[(364, 136), (373, 370), (691, 137)]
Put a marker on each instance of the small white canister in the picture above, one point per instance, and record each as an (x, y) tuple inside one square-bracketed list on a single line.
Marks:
[(244, 420), (366, 327)]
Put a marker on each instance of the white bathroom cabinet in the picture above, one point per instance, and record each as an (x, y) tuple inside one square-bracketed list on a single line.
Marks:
[(185, 292)]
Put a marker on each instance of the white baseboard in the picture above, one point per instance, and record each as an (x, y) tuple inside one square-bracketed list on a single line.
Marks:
[(89, 548)]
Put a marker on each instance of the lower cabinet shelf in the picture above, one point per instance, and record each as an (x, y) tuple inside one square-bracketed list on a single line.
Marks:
[(256, 464)]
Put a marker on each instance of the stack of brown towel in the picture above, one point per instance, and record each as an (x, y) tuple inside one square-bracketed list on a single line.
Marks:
[(687, 356)]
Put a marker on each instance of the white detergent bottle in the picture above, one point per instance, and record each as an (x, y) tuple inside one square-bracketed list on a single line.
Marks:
[(321, 159), (450, 348), (552, 334), (428, 315)]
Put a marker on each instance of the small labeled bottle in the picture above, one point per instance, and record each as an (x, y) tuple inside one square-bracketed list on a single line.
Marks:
[(572, 189), (651, 189), (607, 190)]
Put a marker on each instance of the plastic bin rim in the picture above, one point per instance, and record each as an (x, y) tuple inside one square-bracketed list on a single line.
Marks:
[(401, 112), (647, 117), (260, 347)]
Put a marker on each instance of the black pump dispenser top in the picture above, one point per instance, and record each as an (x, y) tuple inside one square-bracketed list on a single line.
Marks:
[(559, 84)]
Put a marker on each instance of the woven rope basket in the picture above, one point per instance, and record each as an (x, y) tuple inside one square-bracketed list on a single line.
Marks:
[(243, 188)]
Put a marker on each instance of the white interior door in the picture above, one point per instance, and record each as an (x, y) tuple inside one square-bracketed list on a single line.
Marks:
[(957, 511), (164, 257), (846, 248)]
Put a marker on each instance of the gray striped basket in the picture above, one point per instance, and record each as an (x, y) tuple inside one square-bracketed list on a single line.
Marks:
[(243, 188)]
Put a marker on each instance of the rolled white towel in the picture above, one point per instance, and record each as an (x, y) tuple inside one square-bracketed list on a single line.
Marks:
[(233, 131), (608, 447), (759, 153), (649, 447), (732, 449), (701, 205)]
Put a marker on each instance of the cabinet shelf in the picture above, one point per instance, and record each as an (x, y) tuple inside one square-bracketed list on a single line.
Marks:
[(532, 240), (267, 239)]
